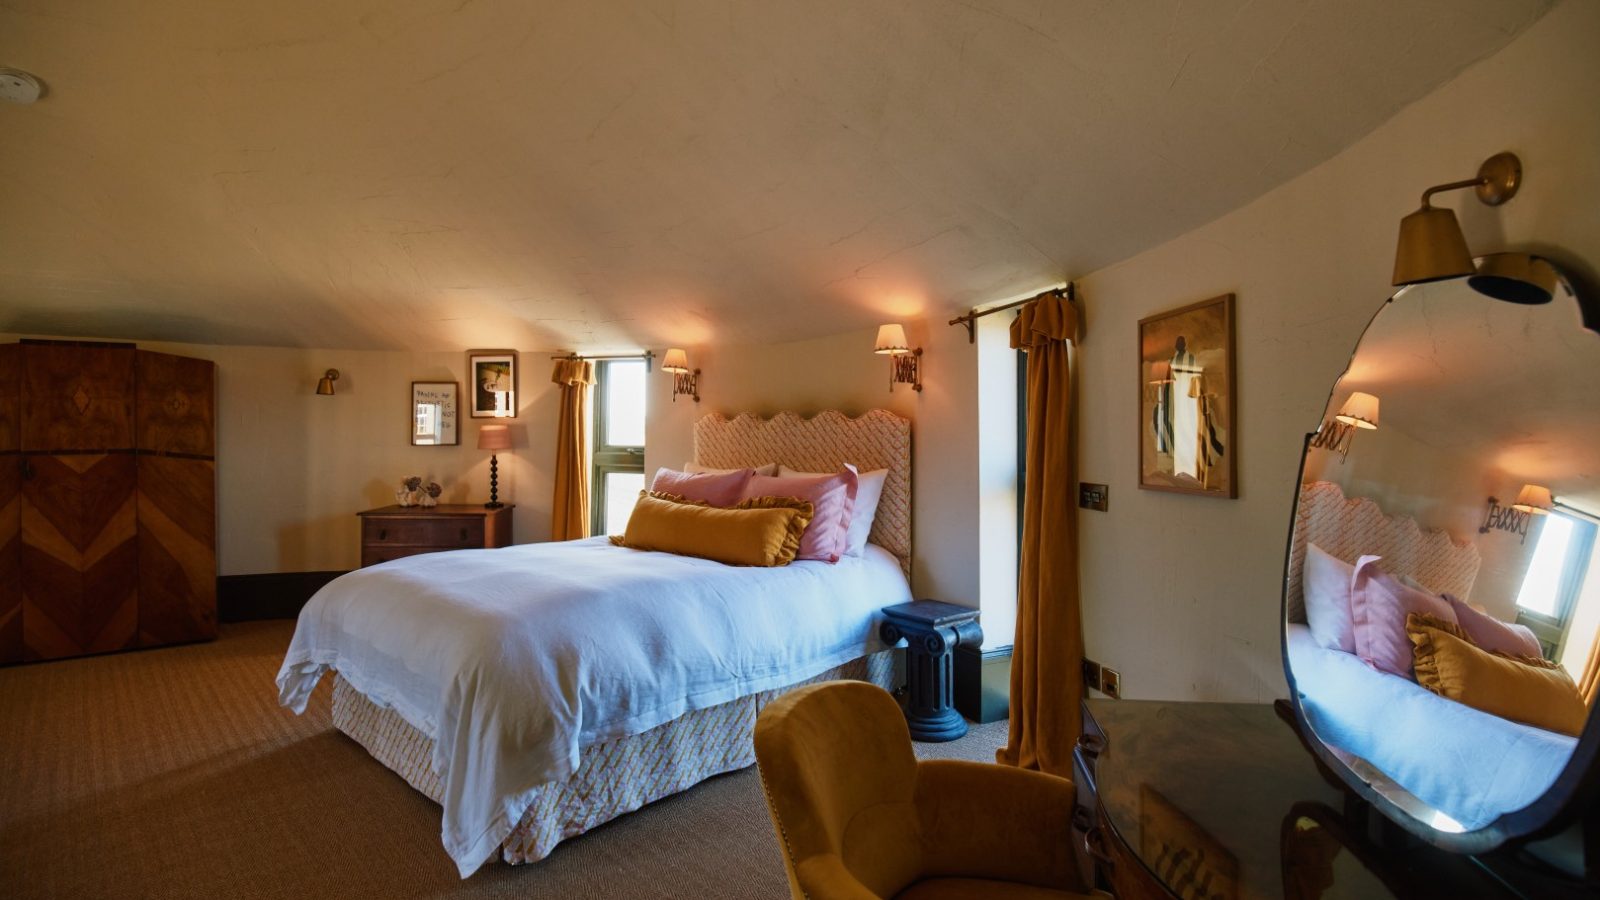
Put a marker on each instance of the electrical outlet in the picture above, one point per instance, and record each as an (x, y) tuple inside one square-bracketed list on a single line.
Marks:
[(1091, 674), (1110, 683)]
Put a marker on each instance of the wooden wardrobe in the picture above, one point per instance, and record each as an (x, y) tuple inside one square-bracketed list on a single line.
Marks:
[(107, 499)]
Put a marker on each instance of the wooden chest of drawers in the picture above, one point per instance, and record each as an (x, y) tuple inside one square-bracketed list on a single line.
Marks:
[(391, 532)]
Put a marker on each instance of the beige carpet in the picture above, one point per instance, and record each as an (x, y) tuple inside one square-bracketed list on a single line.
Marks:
[(174, 773)]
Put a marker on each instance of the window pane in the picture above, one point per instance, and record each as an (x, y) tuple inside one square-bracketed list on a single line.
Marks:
[(625, 405), (622, 491), (1543, 581)]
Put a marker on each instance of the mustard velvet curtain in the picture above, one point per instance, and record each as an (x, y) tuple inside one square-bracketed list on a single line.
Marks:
[(1589, 685), (571, 517), (1047, 656)]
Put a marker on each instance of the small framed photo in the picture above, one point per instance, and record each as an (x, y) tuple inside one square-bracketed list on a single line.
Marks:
[(493, 376), (1188, 430), (433, 413)]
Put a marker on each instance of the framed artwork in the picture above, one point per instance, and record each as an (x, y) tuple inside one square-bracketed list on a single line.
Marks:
[(433, 413), (493, 376), (1187, 425)]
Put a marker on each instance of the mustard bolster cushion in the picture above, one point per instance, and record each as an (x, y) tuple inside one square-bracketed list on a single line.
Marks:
[(1521, 688), (761, 531)]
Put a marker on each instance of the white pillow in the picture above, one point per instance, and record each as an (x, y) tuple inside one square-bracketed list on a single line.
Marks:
[(869, 490), (696, 469), (1325, 580)]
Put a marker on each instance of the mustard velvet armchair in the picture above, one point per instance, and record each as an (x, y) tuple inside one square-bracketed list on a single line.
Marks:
[(858, 817)]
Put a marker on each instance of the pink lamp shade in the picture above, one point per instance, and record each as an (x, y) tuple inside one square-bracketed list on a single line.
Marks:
[(1361, 410), (1534, 499), (494, 437)]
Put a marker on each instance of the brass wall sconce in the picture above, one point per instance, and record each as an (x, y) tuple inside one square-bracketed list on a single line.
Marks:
[(905, 362), (1431, 245), (1359, 413), (1532, 500), (684, 380), (325, 383)]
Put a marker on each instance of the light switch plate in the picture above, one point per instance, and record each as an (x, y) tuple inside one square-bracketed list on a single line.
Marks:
[(1110, 683), (1091, 673), (1094, 496)]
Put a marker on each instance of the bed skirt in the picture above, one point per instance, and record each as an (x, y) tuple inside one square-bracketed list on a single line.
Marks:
[(615, 777)]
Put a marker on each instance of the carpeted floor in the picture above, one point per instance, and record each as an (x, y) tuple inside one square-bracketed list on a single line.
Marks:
[(174, 773)]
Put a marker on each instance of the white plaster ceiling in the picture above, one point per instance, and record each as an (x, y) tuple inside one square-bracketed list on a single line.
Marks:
[(451, 173)]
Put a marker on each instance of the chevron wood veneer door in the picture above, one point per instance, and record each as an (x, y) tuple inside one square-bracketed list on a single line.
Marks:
[(77, 397), (177, 550), (10, 504), (80, 555)]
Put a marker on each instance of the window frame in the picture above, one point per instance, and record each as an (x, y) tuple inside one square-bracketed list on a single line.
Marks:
[(1551, 631), (607, 458)]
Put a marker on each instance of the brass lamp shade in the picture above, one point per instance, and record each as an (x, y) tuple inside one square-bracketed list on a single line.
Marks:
[(1534, 499), (1361, 411), (1515, 278), (325, 383), (1431, 248)]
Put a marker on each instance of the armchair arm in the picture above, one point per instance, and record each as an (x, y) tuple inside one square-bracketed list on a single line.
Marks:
[(824, 877), (982, 820)]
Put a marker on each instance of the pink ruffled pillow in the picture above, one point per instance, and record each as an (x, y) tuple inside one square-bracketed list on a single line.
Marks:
[(722, 489), (1379, 604), (1493, 635), (832, 496)]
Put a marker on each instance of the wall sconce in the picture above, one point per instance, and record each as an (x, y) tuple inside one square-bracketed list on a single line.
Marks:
[(1532, 500), (1431, 246), (905, 363), (325, 383), (1359, 413), (494, 438), (684, 381)]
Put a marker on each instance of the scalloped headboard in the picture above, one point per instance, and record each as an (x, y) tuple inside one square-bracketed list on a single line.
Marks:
[(1352, 528), (878, 439)]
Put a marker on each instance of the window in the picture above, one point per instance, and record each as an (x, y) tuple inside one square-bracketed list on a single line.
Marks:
[(1555, 578), (619, 392)]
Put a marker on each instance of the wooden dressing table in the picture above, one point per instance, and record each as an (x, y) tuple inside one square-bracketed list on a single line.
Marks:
[(1221, 800)]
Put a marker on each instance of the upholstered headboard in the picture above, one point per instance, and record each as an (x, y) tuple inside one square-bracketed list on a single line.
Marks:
[(1352, 528), (823, 443)]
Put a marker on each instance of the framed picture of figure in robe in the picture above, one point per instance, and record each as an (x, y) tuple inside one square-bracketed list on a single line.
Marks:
[(1188, 427)]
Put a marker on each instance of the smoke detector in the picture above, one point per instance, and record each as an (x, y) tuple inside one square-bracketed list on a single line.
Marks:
[(17, 86)]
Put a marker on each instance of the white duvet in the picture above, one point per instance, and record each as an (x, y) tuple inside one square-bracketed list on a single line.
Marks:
[(514, 660)]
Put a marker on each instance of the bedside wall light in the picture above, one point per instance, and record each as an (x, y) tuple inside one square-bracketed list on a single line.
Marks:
[(684, 380), (905, 362), (1359, 413), (1431, 245), (494, 438), (1532, 500), (325, 383), (1535, 499)]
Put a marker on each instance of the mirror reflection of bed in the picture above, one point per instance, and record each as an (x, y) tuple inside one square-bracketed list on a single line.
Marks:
[(1443, 590)]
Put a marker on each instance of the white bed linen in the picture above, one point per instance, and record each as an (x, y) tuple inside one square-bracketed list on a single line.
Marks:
[(513, 660), (1468, 764)]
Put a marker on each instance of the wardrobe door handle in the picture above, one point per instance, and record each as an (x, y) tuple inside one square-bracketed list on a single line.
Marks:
[(27, 470)]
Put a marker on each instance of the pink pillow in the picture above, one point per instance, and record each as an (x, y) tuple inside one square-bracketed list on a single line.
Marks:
[(832, 496), (724, 489), (1379, 604), (1494, 635), (1325, 582)]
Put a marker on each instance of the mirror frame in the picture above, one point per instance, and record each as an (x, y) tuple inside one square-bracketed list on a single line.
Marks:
[(1570, 798)]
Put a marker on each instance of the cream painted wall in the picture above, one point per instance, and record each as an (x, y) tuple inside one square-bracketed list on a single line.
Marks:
[(294, 468), (1182, 593)]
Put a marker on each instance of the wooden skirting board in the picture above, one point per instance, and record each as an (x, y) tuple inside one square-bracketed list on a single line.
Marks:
[(276, 595)]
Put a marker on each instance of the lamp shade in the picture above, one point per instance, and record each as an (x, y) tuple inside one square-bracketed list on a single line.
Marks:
[(891, 339), (494, 437), (1535, 499), (1160, 372), (1515, 278), (1431, 248), (677, 362), (1361, 411), (325, 383)]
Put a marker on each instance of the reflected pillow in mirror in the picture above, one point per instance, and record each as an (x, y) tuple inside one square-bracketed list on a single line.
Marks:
[(1379, 604), (1522, 689), (721, 489), (1494, 635), (1325, 581)]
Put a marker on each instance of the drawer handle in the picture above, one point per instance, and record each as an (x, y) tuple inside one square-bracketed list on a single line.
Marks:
[(1094, 845), (383, 534), (1093, 744), (463, 535)]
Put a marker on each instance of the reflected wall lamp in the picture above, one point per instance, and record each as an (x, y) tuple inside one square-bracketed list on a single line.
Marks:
[(1431, 245), (1359, 413), (684, 380), (1532, 500), (325, 383), (905, 362), (494, 438), (1535, 499)]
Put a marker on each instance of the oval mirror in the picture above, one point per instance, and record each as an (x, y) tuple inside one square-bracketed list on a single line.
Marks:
[(1442, 590)]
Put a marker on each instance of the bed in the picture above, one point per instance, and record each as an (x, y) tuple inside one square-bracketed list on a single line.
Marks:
[(538, 691), (1466, 767)]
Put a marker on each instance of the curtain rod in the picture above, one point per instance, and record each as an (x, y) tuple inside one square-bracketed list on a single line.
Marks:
[(969, 320), (646, 355)]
